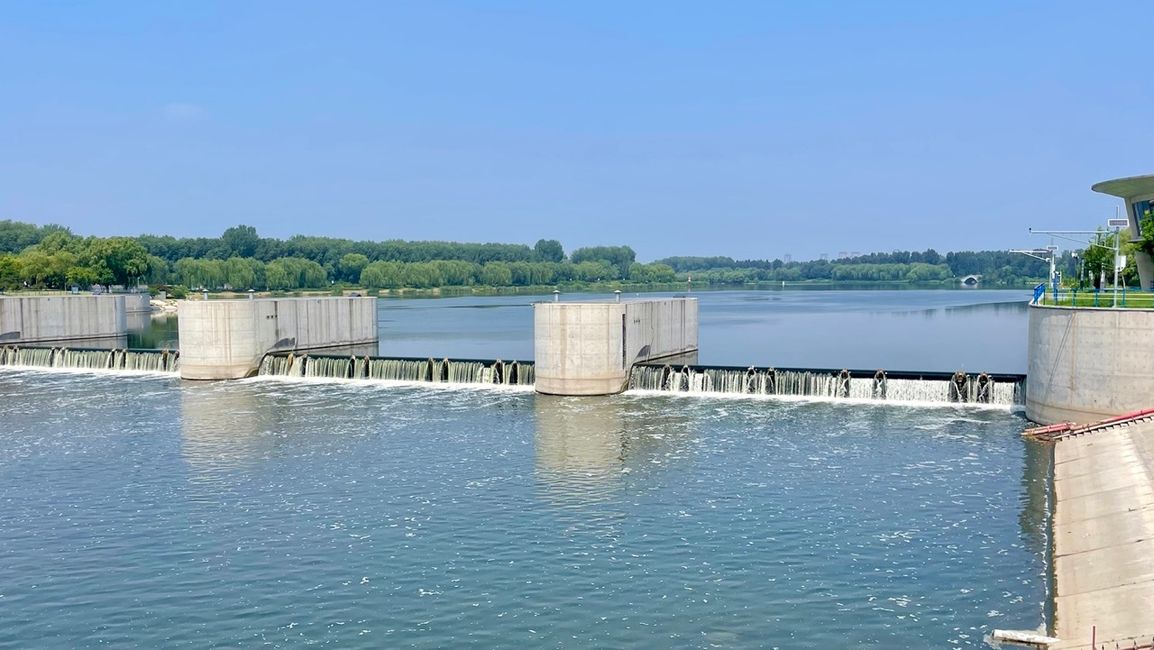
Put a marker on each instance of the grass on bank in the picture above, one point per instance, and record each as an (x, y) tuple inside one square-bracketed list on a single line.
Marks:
[(1128, 299)]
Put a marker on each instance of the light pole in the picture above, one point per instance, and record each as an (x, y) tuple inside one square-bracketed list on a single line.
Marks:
[(1046, 254), (1116, 224)]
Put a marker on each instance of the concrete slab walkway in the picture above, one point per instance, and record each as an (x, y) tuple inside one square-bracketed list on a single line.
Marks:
[(1104, 537)]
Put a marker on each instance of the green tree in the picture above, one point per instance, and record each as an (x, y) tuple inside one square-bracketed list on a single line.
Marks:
[(350, 266), (382, 275), (548, 250), (84, 276), (496, 274), (240, 241), (1097, 261), (125, 258), (619, 257), (239, 273), (9, 272)]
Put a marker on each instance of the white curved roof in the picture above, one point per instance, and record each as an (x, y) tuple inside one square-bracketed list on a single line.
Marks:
[(1126, 187)]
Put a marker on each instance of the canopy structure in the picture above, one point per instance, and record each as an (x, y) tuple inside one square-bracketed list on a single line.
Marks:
[(1138, 193), (1126, 188)]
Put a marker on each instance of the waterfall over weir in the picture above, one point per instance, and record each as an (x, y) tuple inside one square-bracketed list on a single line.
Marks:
[(448, 371), (959, 387), (87, 359)]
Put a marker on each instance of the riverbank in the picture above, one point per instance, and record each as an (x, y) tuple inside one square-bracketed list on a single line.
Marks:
[(1104, 537)]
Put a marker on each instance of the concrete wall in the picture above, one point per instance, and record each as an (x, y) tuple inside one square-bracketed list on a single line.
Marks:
[(226, 339), (588, 348), (50, 319), (135, 303), (1088, 364)]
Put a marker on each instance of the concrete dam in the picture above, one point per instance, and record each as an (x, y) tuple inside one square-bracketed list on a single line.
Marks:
[(581, 348)]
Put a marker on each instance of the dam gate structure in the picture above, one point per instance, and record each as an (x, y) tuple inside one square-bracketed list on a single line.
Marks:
[(582, 348), (589, 348), (227, 339), (39, 320)]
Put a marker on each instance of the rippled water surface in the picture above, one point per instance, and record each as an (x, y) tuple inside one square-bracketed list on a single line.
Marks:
[(974, 330), (143, 511), (936, 330)]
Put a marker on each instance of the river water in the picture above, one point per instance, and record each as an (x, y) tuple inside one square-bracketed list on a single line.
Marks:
[(142, 511)]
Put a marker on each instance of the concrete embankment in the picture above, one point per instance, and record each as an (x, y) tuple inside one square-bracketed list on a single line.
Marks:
[(1104, 537), (1085, 364)]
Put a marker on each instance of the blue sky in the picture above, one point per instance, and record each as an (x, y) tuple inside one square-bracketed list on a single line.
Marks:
[(754, 129)]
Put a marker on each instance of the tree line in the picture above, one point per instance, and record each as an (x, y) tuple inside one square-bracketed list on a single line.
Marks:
[(997, 268), (51, 256)]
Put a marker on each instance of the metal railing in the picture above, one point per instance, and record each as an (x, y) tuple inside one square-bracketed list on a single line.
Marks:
[(1128, 298)]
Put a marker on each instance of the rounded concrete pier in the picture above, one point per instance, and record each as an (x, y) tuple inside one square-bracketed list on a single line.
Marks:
[(588, 348), (1086, 364)]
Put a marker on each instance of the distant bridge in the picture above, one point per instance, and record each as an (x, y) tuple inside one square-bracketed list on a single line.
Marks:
[(971, 280)]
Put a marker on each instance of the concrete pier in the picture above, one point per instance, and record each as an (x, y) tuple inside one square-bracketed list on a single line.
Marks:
[(588, 348), (51, 319), (226, 339), (1104, 537)]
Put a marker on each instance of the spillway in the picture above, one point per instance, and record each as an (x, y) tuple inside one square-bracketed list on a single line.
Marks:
[(895, 386), (90, 359), (448, 371), (879, 385)]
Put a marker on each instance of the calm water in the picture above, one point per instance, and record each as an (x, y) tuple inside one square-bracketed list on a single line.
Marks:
[(144, 511), (974, 330)]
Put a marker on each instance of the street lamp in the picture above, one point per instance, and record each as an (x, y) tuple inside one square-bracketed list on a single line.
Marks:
[(1115, 224)]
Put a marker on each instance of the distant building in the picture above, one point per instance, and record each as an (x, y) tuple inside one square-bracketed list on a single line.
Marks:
[(1138, 193)]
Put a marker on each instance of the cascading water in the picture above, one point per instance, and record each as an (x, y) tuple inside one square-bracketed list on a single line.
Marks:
[(505, 373), (1006, 390), (904, 387), (114, 360)]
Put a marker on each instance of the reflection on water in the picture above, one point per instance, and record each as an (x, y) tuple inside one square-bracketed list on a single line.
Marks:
[(586, 447), (580, 443), (225, 427), (153, 331), (1014, 308), (138, 321)]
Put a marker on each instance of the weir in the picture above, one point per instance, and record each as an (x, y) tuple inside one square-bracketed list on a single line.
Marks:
[(878, 385), (587, 348), (446, 371), (893, 386), (90, 359)]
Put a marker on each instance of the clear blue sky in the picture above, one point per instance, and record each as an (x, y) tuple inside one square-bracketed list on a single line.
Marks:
[(749, 129)]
